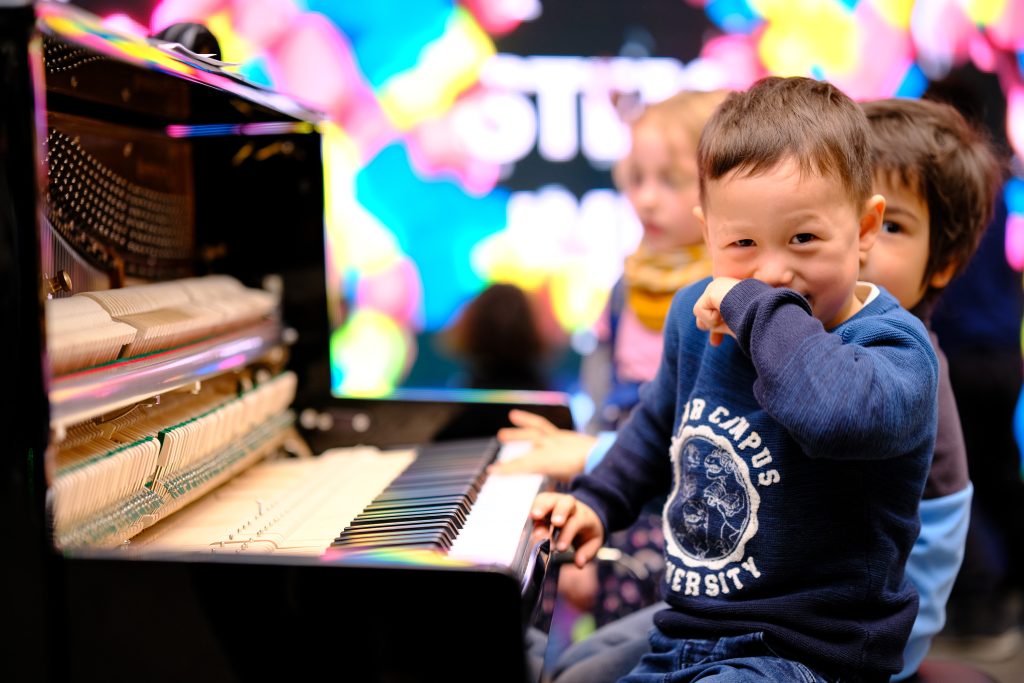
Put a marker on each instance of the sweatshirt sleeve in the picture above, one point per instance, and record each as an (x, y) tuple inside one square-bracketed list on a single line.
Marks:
[(865, 391), (932, 567)]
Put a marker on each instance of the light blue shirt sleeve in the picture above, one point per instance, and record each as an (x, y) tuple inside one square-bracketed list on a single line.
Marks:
[(598, 450), (932, 567)]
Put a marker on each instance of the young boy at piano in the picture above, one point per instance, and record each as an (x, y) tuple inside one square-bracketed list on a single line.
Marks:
[(939, 176), (791, 421)]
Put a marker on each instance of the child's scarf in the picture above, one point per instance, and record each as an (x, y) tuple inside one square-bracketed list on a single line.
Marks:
[(652, 279)]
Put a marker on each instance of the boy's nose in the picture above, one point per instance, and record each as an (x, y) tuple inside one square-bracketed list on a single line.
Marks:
[(775, 272)]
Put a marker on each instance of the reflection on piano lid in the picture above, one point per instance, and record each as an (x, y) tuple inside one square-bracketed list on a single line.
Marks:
[(79, 50)]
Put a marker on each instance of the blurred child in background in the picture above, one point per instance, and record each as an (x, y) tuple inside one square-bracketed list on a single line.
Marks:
[(659, 178)]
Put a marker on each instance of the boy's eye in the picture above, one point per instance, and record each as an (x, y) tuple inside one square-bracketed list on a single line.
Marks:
[(744, 243), (892, 227), (802, 238)]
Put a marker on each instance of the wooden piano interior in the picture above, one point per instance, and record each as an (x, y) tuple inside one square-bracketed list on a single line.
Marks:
[(164, 296)]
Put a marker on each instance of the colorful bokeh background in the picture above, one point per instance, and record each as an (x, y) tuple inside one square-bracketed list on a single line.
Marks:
[(463, 149)]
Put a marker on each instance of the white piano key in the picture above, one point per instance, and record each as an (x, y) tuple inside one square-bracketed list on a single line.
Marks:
[(493, 533)]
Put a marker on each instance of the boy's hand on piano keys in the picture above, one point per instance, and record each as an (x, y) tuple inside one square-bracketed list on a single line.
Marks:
[(558, 453), (568, 522)]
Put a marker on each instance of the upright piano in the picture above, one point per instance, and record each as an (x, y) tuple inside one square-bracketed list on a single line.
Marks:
[(183, 497)]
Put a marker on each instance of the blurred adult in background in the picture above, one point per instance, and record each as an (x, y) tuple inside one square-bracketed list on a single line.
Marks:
[(500, 340), (978, 322)]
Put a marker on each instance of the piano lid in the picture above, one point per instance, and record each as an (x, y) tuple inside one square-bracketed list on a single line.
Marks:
[(151, 78)]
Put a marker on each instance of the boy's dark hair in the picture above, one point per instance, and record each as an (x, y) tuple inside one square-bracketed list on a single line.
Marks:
[(810, 121), (933, 151)]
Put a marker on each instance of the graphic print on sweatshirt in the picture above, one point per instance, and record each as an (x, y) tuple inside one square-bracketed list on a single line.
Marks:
[(711, 514)]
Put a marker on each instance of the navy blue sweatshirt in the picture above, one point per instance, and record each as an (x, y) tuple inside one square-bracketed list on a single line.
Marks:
[(794, 459)]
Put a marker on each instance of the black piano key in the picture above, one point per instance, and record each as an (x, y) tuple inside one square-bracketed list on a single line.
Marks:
[(396, 526), (392, 540), (434, 516), (428, 503)]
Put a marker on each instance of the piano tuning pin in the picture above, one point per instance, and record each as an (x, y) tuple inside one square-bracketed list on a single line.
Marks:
[(60, 282), (360, 422), (324, 422), (307, 418), (274, 284)]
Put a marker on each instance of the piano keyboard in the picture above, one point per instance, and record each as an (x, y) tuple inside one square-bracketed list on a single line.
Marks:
[(427, 504), (438, 498)]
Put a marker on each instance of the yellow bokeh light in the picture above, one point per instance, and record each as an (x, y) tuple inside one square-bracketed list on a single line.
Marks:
[(577, 297), (447, 67), (803, 36), (233, 47), (370, 353), (357, 238), (498, 258), (983, 12), (894, 12)]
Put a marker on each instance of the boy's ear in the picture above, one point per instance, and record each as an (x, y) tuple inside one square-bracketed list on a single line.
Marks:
[(698, 213), (871, 223), (942, 276)]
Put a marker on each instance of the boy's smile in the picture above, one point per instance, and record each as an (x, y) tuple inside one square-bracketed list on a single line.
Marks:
[(790, 230)]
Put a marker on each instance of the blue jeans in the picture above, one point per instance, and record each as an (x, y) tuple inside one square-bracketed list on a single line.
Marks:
[(737, 658), (609, 653)]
